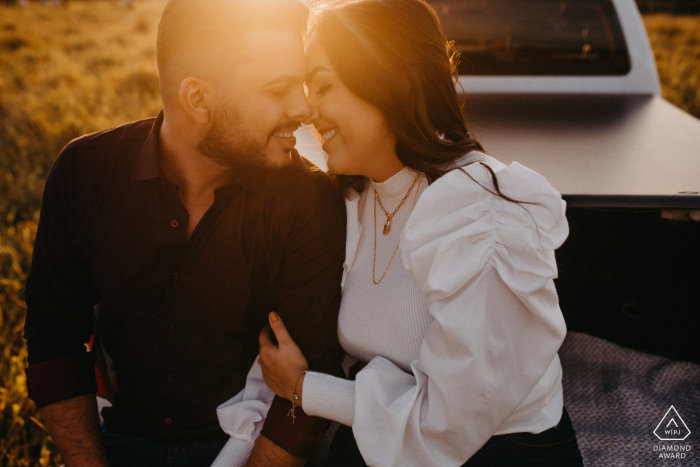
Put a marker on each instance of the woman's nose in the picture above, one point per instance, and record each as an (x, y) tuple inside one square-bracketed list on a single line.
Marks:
[(313, 115)]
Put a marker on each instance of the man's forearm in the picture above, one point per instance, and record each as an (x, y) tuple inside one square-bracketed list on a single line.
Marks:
[(74, 426), (268, 454)]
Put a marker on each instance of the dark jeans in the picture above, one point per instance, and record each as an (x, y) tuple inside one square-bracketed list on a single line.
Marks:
[(556, 447), (134, 451)]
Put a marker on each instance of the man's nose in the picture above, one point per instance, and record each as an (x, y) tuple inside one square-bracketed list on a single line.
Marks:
[(299, 108)]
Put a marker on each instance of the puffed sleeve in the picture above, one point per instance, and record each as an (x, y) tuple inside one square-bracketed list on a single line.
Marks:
[(242, 417), (486, 266)]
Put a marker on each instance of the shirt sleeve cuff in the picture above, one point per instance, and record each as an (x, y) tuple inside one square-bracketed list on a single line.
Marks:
[(234, 454), (329, 397), (61, 378), (298, 438)]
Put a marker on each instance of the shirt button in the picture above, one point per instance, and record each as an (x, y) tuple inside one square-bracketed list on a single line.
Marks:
[(175, 223), (168, 421)]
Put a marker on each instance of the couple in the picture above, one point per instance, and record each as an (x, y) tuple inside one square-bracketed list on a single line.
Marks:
[(190, 232)]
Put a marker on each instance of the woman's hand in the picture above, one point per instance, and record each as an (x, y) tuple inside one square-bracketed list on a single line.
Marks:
[(283, 363)]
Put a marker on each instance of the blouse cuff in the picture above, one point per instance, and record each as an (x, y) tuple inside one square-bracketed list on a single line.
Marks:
[(234, 454), (329, 397)]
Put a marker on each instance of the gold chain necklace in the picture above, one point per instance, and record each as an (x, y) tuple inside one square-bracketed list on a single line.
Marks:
[(387, 224), (376, 199)]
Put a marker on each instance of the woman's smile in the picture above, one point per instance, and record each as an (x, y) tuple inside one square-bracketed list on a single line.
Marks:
[(328, 134)]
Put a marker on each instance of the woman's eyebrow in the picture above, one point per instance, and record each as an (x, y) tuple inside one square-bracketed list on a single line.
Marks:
[(310, 75)]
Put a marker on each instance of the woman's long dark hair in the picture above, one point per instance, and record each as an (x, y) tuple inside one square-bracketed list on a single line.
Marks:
[(394, 55)]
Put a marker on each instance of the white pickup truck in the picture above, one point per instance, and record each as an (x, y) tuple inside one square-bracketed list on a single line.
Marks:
[(570, 89)]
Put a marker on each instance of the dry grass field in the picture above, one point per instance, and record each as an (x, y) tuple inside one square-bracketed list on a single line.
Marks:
[(66, 71), (676, 44)]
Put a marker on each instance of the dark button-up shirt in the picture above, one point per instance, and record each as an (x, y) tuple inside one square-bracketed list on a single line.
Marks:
[(179, 317)]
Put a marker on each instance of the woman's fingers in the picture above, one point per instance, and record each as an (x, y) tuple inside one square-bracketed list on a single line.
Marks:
[(280, 358), (280, 329), (265, 338)]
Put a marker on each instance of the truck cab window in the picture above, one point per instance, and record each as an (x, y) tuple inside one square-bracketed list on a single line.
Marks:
[(535, 37)]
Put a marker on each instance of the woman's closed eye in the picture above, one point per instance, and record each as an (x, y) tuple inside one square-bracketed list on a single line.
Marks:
[(323, 89)]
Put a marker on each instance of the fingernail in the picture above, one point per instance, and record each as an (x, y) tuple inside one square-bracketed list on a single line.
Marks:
[(273, 317)]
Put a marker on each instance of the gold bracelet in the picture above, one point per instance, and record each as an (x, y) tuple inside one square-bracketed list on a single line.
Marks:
[(295, 397)]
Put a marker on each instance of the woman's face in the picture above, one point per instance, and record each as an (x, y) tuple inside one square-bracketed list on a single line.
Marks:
[(354, 133)]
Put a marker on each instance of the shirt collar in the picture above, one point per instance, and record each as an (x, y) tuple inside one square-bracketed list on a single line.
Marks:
[(147, 166)]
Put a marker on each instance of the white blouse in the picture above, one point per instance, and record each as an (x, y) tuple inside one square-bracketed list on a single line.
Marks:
[(487, 363)]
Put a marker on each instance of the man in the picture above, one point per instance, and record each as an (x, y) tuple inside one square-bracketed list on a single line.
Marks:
[(187, 230)]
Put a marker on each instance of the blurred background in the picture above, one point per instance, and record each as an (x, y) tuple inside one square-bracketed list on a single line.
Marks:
[(73, 67)]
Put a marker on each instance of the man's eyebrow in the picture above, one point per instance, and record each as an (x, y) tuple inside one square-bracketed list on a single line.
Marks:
[(312, 73), (286, 79)]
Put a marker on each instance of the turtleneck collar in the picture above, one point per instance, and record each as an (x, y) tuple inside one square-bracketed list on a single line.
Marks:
[(397, 185)]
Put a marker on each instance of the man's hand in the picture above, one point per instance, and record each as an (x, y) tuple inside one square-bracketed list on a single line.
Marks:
[(268, 454), (74, 426)]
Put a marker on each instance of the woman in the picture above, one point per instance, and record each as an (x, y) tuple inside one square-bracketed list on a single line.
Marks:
[(449, 309)]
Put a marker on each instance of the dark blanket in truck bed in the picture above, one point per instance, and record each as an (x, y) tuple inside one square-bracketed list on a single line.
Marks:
[(617, 397)]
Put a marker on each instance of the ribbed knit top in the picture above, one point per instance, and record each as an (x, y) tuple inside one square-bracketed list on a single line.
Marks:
[(388, 319)]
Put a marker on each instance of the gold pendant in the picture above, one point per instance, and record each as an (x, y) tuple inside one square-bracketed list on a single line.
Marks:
[(387, 227)]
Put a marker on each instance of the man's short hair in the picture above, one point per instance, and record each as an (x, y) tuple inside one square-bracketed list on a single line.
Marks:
[(194, 34)]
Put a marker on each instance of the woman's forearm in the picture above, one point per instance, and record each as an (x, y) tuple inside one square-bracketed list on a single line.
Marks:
[(329, 397)]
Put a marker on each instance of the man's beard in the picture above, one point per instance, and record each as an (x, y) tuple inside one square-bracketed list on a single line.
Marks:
[(227, 145)]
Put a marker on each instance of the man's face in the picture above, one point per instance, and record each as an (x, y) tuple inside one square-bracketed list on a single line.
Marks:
[(259, 103)]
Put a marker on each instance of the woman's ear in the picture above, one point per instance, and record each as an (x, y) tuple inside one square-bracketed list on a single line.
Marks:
[(194, 98)]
